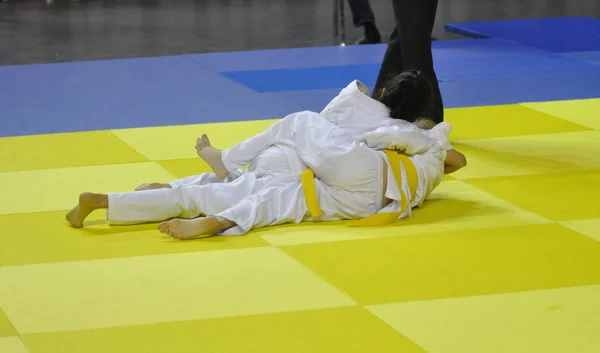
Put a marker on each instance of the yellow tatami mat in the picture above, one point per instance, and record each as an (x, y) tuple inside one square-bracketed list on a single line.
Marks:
[(177, 142), (557, 196), (6, 328), (455, 206), (454, 264), (534, 154), (583, 112), (589, 227), (65, 150), (505, 121), (550, 321), (348, 330), (59, 189), (152, 289), (12, 345), (504, 257), (44, 237)]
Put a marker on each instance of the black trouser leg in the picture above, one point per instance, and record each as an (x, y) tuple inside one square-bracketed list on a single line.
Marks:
[(410, 48), (361, 12)]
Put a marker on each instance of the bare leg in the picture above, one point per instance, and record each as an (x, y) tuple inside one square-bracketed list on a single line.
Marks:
[(152, 186), (184, 229), (212, 156), (88, 203)]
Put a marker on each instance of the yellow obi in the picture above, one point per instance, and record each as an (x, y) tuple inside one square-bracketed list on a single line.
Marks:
[(394, 158)]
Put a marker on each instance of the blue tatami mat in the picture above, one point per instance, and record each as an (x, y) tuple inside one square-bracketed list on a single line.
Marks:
[(477, 48), (511, 90), (564, 34), (313, 100), (113, 94), (290, 58), (522, 65), (305, 78), (349, 55), (481, 92), (527, 63), (591, 57)]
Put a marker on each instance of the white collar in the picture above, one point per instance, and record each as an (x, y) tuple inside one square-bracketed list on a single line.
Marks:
[(359, 91)]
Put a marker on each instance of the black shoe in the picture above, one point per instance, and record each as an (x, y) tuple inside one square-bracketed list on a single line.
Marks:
[(372, 35)]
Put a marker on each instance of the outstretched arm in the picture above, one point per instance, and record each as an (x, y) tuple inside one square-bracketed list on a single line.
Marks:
[(454, 161)]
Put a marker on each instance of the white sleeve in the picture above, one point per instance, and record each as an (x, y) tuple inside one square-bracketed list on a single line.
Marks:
[(441, 133), (339, 109), (410, 141), (282, 132), (392, 137)]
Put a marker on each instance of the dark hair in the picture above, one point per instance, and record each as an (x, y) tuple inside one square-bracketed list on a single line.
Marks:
[(407, 95)]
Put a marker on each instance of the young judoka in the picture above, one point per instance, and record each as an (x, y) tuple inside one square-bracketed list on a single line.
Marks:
[(400, 103), (276, 193), (353, 180)]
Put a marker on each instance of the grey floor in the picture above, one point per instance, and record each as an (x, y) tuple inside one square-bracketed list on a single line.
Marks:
[(32, 31)]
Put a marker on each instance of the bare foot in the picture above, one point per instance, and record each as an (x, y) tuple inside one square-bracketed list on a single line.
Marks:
[(152, 186), (88, 202), (184, 229), (212, 156)]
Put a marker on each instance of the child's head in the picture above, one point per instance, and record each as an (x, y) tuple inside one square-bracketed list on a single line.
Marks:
[(407, 95)]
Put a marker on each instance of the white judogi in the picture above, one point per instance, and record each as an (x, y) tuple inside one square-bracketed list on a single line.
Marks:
[(368, 120), (357, 113), (349, 174), (271, 193), (202, 194), (427, 150)]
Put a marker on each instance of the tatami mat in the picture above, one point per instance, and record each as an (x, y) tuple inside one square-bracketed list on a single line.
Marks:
[(504, 257)]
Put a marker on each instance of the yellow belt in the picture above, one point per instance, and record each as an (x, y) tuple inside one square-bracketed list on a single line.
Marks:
[(395, 158)]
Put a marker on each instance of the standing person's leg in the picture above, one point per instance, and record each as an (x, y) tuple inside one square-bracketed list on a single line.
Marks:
[(410, 48), (392, 63), (362, 15)]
